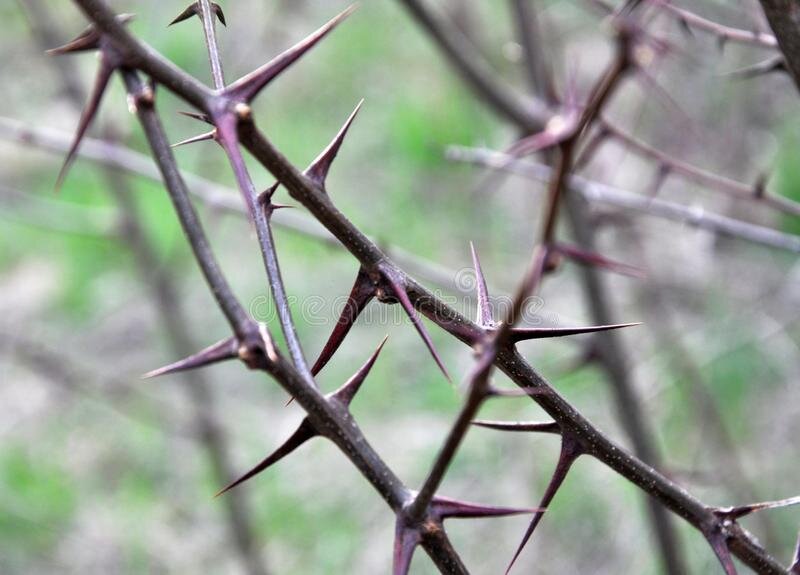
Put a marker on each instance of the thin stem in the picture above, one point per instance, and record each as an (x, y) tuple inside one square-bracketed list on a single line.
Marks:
[(210, 34)]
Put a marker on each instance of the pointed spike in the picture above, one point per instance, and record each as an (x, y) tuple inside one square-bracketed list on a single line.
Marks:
[(570, 451), (794, 569), (225, 349), (104, 73), (360, 295), (305, 432), (445, 507), (87, 40), (520, 426), (485, 318), (199, 138), (219, 13), (406, 540), (734, 513), (402, 296), (319, 168), (527, 333), (720, 548), (347, 392), (192, 10), (596, 260), (769, 66), (197, 116), (248, 87)]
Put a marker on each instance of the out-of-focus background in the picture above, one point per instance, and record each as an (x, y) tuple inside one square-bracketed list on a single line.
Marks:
[(102, 472)]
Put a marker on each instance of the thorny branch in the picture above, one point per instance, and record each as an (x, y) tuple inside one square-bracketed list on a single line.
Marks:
[(418, 523)]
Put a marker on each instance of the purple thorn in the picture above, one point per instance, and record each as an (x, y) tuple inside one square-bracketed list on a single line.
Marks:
[(406, 540), (570, 451), (719, 545), (485, 318), (360, 295), (444, 507), (87, 40), (194, 10), (108, 63), (554, 134), (225, 349), (305, 432), (212, 135), (319, 168), (596, 260), (248, 87), (400, 293), (347, 392), (520, 426), (527, 333)]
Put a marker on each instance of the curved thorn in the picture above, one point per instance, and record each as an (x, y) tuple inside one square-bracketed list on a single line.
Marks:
[(485, 318), (406, 540), (104, 72), (192, 10), (445, 507), (520, 426), (199, 138), (319, 168), (596, 260), (248, 87), (360, 295), (225, 349), (774, 64), (219, 13), (347, 392), (526, 333), (305, 432), (402, 297), (570, 451)]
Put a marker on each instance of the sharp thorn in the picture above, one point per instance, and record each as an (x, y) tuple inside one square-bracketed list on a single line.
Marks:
[(596, 260), (199, 138), (361, 294), (248, 87), (406, 540), (319, 168), (485, 318), (305, 432), (445, 507), (720, 547), (222, 350), (87, 40), (528, 333), (520, 426), (347, 392)]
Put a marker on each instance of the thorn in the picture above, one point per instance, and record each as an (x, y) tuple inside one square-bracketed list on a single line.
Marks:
[(194, 10), (319, 168), (197, 116), (347, 392), (769, 66), (400, 292), (406, 540), (596, 260), (225, 349), (212, 135), (87, 40), (527, 333), (108, 64), (305, 432), (444, 508), (520, 426), (794, 569), (734, 513), (558, 129), (361, 294), (485, 318), (720, 548), (570, 451), (248, 87)]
